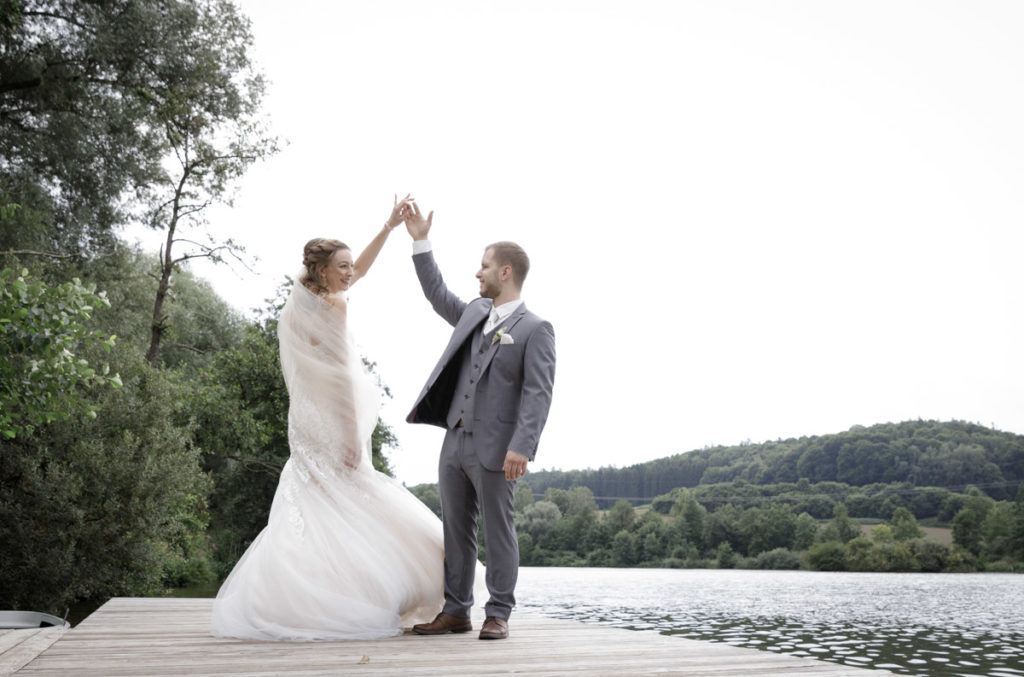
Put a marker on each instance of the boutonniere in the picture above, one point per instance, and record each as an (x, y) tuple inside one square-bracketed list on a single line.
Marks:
[(503, 337)]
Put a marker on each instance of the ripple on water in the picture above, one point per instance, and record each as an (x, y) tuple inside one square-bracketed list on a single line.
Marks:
[(898, 622)]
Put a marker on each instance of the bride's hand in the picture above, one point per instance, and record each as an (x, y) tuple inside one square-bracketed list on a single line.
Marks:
[(418, 226), (399, 212)]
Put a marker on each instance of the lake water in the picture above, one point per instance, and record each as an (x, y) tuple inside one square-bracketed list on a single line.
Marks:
[(914, 624)]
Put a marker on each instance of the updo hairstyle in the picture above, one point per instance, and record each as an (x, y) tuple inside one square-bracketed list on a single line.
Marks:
[(316, 255)]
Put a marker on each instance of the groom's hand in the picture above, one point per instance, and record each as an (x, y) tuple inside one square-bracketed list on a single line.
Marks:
[(515, 465), (418, 227)]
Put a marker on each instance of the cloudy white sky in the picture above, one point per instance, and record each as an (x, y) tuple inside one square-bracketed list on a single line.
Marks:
[(748, 220)]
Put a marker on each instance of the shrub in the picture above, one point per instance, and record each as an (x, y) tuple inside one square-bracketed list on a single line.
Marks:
[(779, 558), (827, 556)]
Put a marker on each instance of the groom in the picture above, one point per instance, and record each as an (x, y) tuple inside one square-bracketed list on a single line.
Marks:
[(490, 391)]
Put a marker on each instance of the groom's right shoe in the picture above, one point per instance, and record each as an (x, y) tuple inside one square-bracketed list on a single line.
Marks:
[(443, 623)]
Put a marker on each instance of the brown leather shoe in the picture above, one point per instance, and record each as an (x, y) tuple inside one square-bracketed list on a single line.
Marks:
[(443, 623), (494, 628)]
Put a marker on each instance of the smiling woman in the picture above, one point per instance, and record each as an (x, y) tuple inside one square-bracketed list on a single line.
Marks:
[(347, 551)]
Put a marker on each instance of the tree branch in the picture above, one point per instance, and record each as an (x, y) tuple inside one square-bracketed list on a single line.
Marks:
[(29, 252), (184, 346)]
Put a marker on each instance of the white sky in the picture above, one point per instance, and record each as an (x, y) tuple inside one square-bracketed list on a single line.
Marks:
[(748, 220)]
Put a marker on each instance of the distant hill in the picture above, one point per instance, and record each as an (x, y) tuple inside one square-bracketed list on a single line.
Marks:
[(951, 454)]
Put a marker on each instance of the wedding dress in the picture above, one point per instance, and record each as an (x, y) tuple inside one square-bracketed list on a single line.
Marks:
[(348, 552)]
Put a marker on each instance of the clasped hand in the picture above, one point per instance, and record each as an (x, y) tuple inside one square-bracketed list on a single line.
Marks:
[(406, 210)]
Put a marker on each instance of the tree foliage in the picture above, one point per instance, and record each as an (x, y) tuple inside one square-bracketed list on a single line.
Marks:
[(93, 507), (763, 535), (44, 333), (208, 120), (88, 91)]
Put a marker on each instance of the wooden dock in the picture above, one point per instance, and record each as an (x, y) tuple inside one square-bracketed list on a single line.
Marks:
[(170, 637)]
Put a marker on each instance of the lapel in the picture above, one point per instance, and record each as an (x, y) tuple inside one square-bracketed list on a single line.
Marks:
[(508, 324), (470, 323)]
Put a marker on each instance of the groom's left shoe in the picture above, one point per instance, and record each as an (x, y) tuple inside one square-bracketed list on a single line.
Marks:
[(494, 628)]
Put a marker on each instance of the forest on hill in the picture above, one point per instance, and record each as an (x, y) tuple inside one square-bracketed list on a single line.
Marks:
[(910, 455)]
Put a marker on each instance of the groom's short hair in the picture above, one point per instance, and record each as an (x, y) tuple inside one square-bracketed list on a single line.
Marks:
[(511, 254)]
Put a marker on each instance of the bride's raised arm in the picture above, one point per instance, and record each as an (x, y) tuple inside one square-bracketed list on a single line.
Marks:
[(369, 254)]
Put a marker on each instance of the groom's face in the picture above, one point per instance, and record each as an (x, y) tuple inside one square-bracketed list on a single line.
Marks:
[(489, 276)]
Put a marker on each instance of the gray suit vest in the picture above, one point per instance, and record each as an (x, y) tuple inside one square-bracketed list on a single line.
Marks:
[(472, 353)]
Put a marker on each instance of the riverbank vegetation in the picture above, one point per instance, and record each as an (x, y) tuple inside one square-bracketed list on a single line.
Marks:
[(566, 528), (795, 503)]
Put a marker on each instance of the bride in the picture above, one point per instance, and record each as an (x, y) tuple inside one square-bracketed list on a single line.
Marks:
[(347, 553)]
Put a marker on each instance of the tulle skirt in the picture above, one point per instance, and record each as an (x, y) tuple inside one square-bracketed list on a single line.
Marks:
[(352, 556)]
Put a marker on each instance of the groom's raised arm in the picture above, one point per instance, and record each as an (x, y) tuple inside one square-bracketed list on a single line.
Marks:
[(444, 301)]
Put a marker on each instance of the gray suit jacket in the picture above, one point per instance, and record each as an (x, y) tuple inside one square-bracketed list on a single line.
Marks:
[(513, 394)]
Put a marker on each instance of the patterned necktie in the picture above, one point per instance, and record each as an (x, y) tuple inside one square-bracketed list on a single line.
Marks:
[(492, 321)]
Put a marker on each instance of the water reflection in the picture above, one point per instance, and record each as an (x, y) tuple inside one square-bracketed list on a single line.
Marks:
[(915, 624)]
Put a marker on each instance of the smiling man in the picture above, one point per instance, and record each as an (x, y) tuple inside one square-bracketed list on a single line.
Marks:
[(491, 392)]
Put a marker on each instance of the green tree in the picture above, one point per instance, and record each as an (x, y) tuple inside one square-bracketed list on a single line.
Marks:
[(620, 517), (95, 507), (95, 97), (527, 550), (767, 529), (427, 493), (968, 521), (624, 549), (805, 530), (44, 330), (897, 556), (779, 558), (577, 500), (689, 518), (997, 532), (74, 136), (725, 557), (208, 120), (845, 528), (862, 555), (723, 526), (882, 534), (1017, 539), (523, 498), (827, 556), (931, 556), (904, 525), (652, 537), (539, 518)]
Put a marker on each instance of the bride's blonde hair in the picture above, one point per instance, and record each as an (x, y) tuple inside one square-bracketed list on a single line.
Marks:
[(315, 256)]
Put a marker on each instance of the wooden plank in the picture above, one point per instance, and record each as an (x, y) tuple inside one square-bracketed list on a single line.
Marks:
[(170, 636), (19, 647)]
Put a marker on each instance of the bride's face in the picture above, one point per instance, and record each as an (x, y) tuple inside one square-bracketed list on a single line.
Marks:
[(338, 274)]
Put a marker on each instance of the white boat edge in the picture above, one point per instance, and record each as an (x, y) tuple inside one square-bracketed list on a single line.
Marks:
[(22, 620)]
